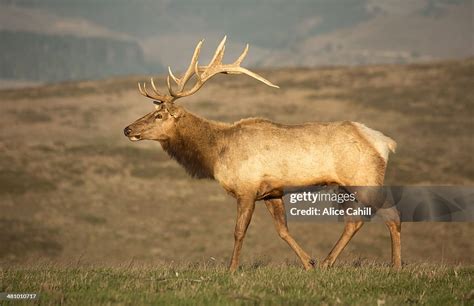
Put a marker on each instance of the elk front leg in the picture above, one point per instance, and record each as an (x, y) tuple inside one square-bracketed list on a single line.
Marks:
[(350, 228), (276, 207), (245, 208)]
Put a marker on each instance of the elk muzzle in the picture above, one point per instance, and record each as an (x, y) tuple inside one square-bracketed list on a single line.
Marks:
[(129, 133)]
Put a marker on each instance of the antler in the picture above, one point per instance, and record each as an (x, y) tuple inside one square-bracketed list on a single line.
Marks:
[(202, 74)]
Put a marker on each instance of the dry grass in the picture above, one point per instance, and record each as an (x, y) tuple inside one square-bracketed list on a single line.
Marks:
[(71, 186)]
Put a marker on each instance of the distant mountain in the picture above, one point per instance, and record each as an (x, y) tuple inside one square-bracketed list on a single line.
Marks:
[(396, 33), (147, 35), (39, 57), (38, 45)]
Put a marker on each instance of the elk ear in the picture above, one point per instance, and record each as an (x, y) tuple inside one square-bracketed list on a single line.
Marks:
[(158, 105)]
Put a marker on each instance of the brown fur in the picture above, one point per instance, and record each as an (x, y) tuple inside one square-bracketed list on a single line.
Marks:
[(194, 148), (254, 159)]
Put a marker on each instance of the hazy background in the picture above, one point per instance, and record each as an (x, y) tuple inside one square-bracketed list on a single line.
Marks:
[(52, 40), (74, 190)]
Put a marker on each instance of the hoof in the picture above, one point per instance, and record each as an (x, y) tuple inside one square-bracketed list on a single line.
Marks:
[(232, 269), (311, 265), (326, 264), (397, 267)]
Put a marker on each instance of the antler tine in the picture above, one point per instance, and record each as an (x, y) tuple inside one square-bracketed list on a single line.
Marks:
[(140, 89), (156, 96), (196, 71), (175, 79), (218, 55), (146, 92), (242, 56), (190, 71), (239, 70), (170, 88), (154, 87), (143, 90)]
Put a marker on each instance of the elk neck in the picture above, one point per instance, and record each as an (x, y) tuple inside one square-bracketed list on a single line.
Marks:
[(195, 144)]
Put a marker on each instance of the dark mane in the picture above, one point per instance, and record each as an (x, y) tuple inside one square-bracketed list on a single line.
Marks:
[(194, 146)]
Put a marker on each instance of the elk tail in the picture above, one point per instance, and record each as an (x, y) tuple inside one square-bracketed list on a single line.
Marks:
[(392, 145), (383, 144)]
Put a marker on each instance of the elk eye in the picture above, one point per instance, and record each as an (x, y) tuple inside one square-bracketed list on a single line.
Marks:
[(158, 116)]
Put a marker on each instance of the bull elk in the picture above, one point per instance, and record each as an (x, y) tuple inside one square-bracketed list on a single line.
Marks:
[(254, 159)]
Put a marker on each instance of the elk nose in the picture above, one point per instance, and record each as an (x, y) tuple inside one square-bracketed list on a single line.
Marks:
[(127, 131)]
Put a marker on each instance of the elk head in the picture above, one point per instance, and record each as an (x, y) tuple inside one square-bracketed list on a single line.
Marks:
[(159, 124)]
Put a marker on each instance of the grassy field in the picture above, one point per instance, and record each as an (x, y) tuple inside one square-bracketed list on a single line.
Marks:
[(211, 284), (74, 189)]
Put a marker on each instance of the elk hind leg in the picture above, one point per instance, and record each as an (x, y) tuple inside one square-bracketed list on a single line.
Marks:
[(394, 225), (391, 217), (395, 228), (276, 207), (350, 228)]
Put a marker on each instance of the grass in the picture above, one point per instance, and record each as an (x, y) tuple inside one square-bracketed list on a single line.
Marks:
[(191, 285)]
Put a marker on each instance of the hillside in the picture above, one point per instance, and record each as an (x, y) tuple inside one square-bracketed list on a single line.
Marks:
[(49, 58), (72, 40), (73, 189)]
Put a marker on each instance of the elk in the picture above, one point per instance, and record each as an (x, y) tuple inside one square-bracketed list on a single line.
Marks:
[(254, 159)]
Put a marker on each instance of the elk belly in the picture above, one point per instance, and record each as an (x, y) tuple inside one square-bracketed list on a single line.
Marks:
[(360, 211)]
